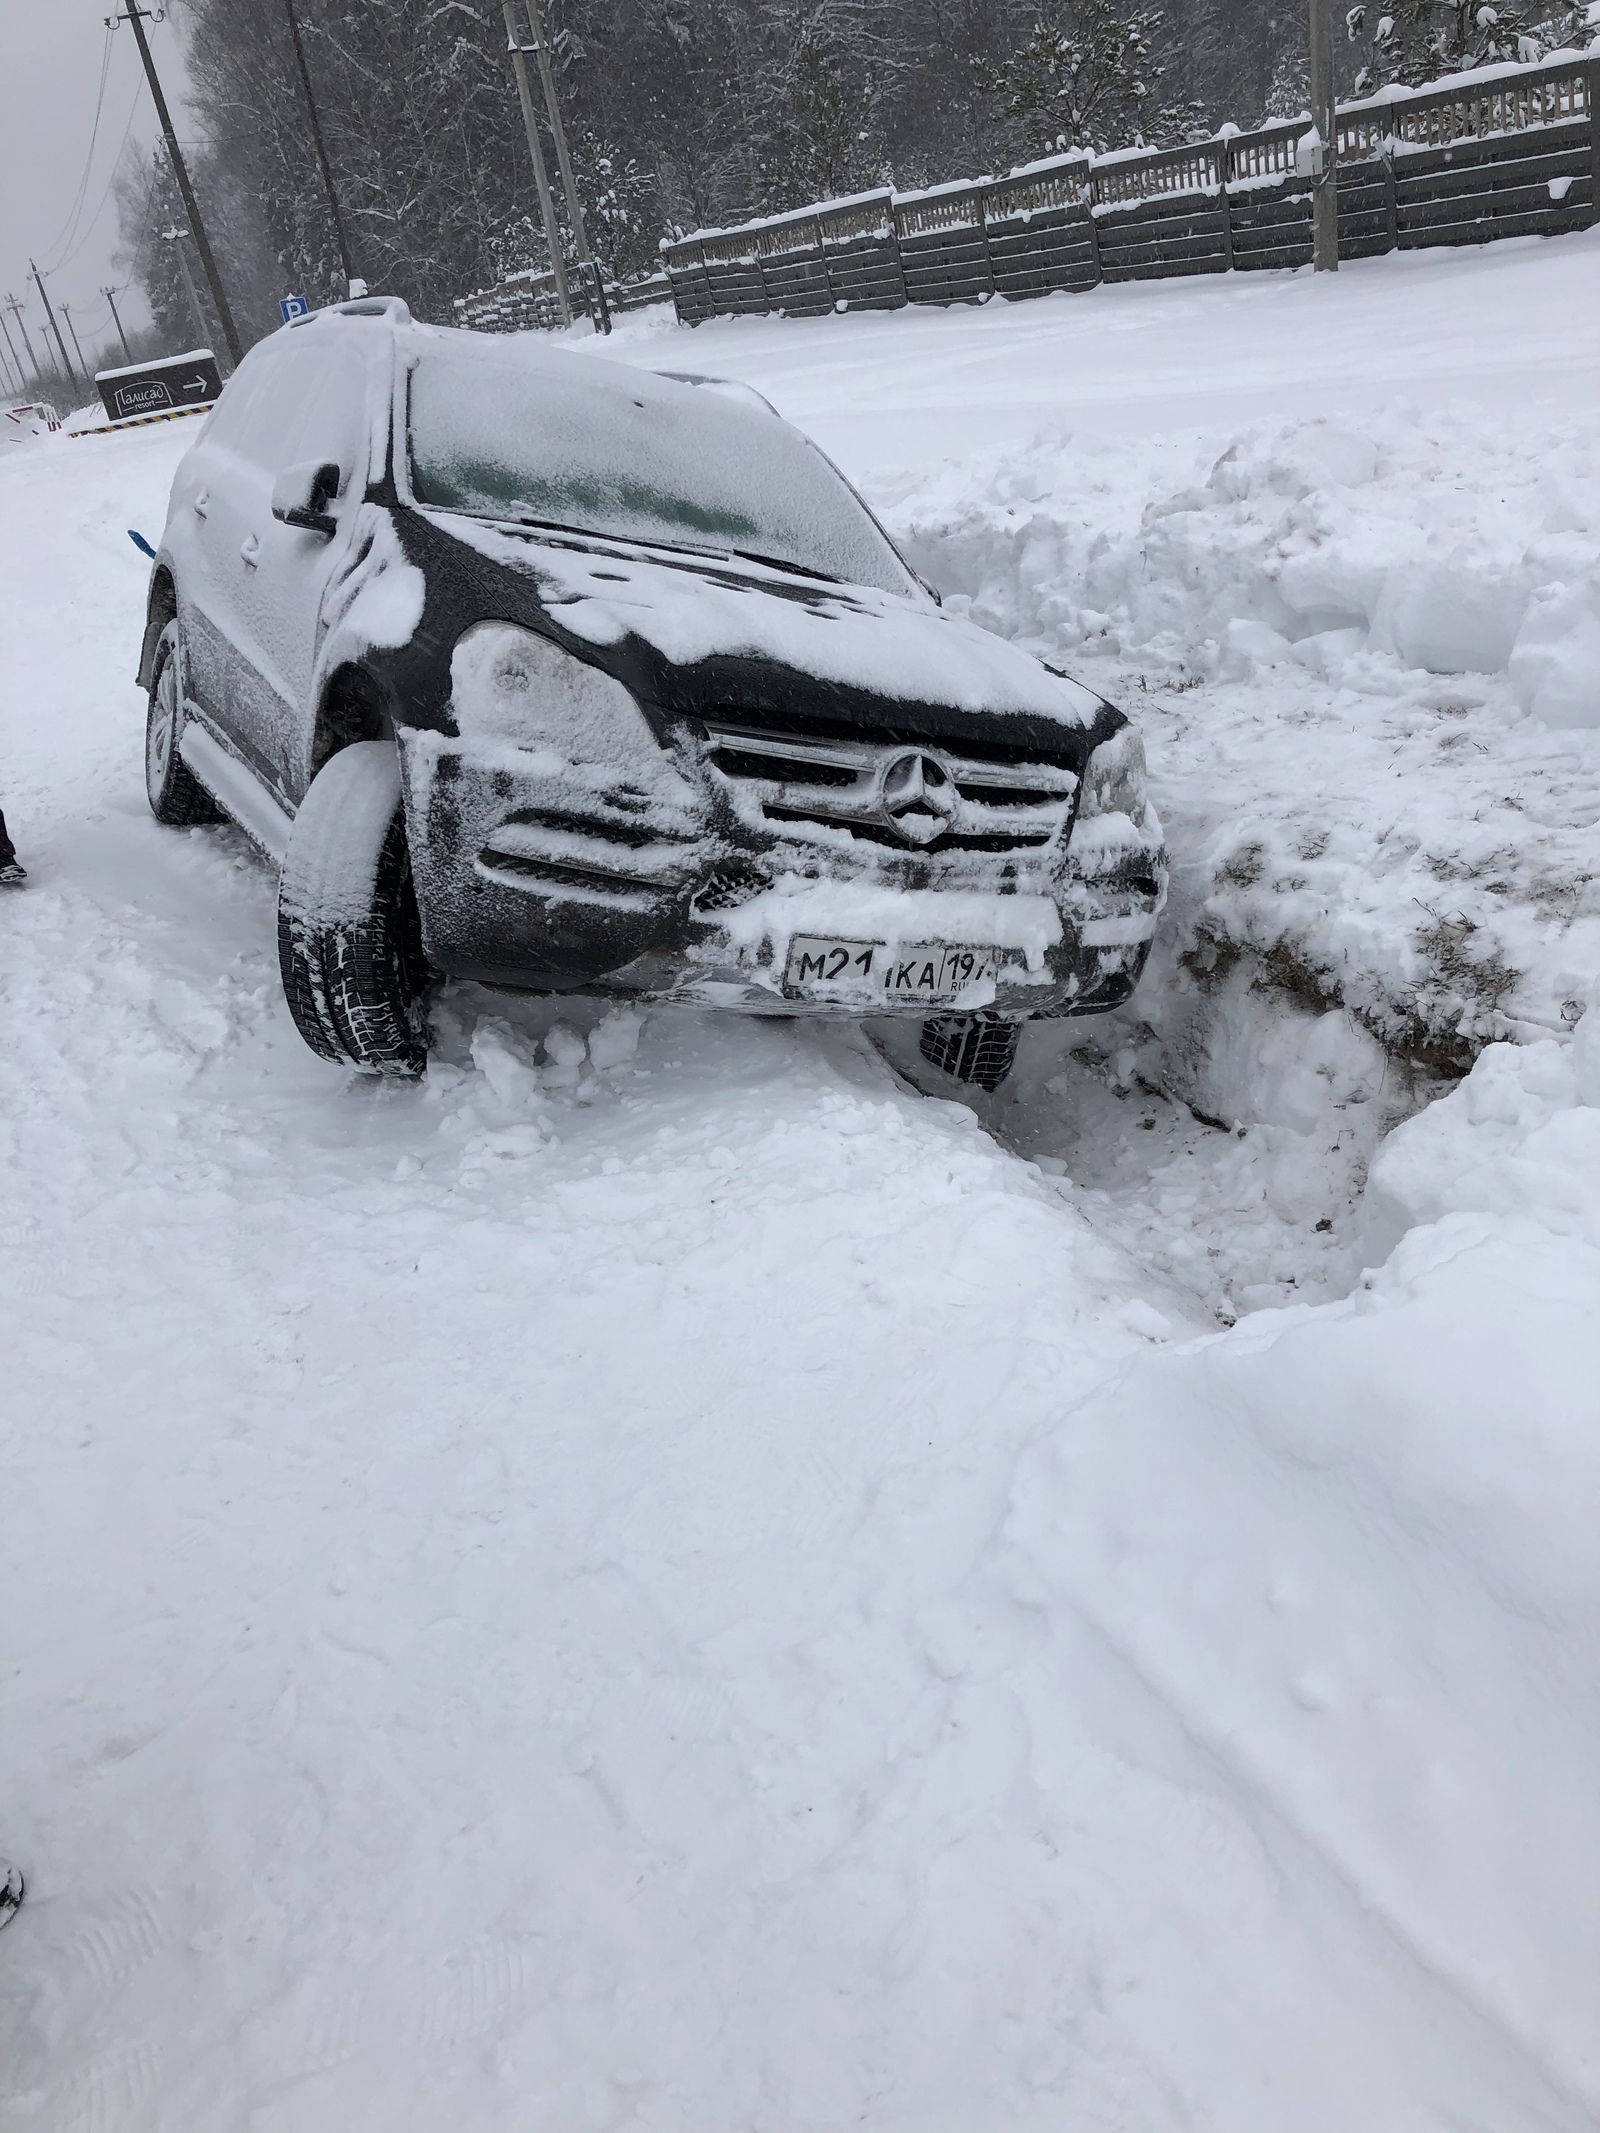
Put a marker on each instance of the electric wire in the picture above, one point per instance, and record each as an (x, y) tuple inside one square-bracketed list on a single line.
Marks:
[(69, 228), (90, 227)]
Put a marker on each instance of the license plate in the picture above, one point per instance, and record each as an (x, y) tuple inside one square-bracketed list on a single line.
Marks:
[(933, 972)]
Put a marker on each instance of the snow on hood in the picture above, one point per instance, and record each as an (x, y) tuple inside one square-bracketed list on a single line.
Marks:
[(851, 635)]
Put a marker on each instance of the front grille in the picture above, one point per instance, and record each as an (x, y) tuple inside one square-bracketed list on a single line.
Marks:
[(629, 864), (908, 795)]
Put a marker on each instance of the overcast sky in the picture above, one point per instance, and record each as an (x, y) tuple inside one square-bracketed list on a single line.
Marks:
[(50, 64)]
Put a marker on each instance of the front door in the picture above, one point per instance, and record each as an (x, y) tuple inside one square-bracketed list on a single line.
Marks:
[(198, 539), (315, 409)]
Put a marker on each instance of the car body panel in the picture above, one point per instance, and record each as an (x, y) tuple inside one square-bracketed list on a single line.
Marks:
[(765, 727)]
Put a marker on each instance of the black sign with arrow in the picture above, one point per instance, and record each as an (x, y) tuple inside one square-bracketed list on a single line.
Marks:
[(189, 380)]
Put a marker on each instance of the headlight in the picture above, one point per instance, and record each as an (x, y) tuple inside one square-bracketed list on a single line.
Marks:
[(1114, 777), (512, 685)]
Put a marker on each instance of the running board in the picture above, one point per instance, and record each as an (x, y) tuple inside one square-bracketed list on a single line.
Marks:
[(257, 813)]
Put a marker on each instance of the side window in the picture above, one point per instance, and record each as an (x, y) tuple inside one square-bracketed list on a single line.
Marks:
[(333, 422), (287, 404), (231, 415), (270, 433)]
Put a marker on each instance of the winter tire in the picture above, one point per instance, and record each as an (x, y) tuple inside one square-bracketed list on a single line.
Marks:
[(176, 795), (977, 1049), (349, 936)]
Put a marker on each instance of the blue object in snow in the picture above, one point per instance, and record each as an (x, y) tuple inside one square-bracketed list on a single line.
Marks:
[(292, 307), (141, 544)]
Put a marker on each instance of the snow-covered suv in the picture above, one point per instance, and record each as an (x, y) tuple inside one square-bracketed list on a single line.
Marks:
[(558, 674)]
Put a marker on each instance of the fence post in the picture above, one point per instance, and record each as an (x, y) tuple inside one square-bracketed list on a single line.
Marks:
[(1391, 195), (983, 231), (1089, 204), (1325, 120), (894, 246), (1591, 89), (827, 271), (1225, 203)]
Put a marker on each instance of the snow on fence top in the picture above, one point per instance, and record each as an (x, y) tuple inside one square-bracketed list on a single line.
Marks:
[(1508, 98)]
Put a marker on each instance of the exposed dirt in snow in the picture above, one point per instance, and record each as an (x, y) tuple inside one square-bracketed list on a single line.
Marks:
[(663, 1579)]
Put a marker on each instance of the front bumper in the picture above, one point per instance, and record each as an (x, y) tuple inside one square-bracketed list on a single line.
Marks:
[(516, 888)]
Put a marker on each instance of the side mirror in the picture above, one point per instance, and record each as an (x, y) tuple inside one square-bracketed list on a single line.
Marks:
[(301, 496)]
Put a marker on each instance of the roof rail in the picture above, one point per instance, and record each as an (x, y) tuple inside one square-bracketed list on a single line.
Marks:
[(390, 307)]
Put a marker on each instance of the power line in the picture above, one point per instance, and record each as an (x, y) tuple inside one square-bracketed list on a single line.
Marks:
[(110, 296), (66, 360), (317, 141), (174, 237), (136, 17), (11, 350), (541, 177), (66, 313), (92, 224), (14, 306), (65, 234), (541, 46)]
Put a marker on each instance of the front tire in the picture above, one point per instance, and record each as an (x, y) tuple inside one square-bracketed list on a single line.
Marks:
[(176, 796), (349, 935), (979, 1050)]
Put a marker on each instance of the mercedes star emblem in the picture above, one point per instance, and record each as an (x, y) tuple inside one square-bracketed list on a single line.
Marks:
[(918, 798)]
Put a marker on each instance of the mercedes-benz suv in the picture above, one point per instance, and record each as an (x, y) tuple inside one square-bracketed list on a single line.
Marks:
[(547, 671)]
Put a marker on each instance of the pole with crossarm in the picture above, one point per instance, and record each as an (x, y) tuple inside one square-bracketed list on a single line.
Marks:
[(137, 16)]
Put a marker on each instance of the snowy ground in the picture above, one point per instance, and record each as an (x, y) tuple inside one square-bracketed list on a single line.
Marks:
[(714, 1592)]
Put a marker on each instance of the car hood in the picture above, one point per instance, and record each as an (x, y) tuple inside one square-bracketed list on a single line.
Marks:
[(698, 635)]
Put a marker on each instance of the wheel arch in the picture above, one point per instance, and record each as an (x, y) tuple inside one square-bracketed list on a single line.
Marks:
[(161, 608), (354, 706)]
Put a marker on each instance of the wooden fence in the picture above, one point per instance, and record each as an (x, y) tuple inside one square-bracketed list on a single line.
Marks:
[(1506, 152), (529, 299)]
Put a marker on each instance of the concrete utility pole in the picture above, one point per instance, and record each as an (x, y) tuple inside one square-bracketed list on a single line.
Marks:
[(16, 360), (66, 313), (1325, 118), (66, 361), (110, 296), (136, 15), (558, 132), (541, 177), (339, 237), (201, 335)]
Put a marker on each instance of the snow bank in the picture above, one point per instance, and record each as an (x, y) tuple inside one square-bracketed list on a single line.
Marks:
[(658, 1579), (1365, 658), (1350, 1551)]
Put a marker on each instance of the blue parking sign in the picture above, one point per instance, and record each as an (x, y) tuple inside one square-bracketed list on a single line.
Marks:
[(292, 307)]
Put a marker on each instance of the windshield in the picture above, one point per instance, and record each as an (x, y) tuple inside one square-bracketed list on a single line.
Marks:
[(519, 432)]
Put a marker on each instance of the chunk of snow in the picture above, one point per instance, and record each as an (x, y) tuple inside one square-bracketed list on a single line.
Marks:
[(846, 910), (616, 1039), (1555, 662)]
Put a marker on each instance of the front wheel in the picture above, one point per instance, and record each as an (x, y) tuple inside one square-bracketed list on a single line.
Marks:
[(349, 935), (977, 1049), (176, 796)]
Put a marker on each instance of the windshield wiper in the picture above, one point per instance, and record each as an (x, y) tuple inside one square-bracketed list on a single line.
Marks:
[(779, 562), (555, 525), (714, 555)]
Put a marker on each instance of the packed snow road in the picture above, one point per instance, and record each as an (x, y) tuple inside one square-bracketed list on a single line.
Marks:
[(676, 1583)]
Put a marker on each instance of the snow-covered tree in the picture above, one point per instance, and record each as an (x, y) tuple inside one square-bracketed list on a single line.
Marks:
[(1088, 74), (1414, 41)]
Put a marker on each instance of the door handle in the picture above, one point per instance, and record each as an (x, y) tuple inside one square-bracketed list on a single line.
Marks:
[(250, 549), (200, 502)]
